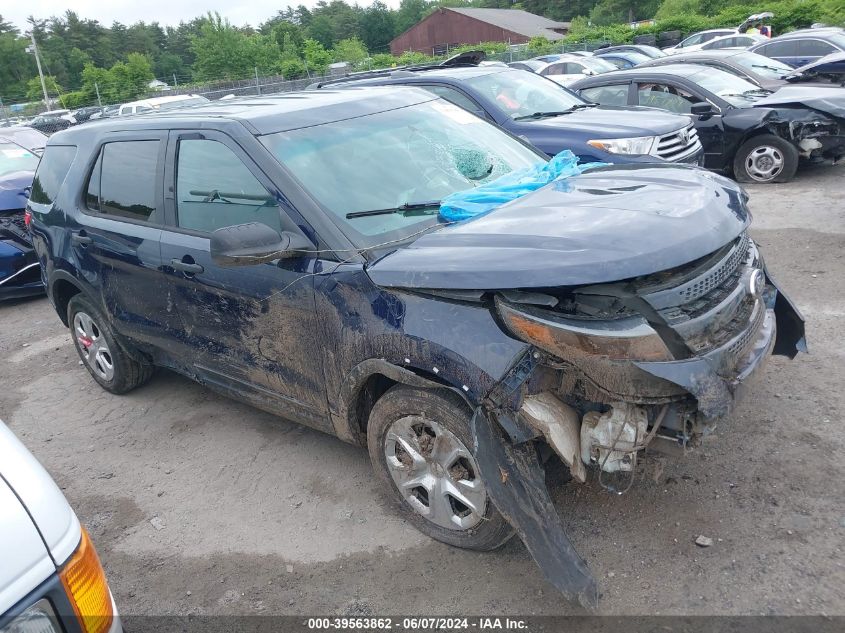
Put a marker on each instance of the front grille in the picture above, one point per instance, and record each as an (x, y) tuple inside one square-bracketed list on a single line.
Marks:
[(678, 146), (740, 346), (714, 278)]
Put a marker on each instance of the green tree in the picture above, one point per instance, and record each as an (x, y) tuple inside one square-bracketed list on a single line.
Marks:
[(219, 51), (317, 58), (674, 8), (409, 13), (351, 50), (34, 91), (378, 27)]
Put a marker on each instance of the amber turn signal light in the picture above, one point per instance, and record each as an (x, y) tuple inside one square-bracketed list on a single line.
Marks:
[(85, 584)]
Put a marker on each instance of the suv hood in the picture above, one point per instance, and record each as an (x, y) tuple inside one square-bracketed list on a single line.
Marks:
[(616, 122), (604, 225)]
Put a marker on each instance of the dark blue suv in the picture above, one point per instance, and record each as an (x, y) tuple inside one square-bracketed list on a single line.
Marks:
[(548, 115), (288, 251)]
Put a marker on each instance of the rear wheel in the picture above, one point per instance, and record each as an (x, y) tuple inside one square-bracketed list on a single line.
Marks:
[(766, 158), (419, 445), (107, 362)]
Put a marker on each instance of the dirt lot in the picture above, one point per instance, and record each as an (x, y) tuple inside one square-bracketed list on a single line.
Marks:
[(200, 505)]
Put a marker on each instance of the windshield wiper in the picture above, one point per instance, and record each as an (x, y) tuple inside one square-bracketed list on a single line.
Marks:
[(406, 209), (544, 115), (757, 91)]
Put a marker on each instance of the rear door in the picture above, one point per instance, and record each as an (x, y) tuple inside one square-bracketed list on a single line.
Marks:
[(249, 330), (811, 49), (115, 236), (785, 51)]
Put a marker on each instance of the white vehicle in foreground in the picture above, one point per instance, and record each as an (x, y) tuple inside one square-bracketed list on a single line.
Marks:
[(160, 104), (51, 580)]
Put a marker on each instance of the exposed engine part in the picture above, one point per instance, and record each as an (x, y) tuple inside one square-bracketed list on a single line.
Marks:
[(808, 145), (559, 423), (610, 440)]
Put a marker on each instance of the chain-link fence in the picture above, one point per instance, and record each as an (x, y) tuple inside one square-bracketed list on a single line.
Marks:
[(49, 120)]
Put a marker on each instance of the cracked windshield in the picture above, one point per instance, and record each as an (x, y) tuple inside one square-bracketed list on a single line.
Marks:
[(385, 174)]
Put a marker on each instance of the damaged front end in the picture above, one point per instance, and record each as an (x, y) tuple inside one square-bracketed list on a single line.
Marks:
[(655, 361)]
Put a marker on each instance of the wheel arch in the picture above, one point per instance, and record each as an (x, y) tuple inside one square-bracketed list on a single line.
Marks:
[(370, 380), (62, 289)]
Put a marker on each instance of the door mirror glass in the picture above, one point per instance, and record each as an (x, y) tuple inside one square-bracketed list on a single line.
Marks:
[(587, 71), (254, 243), (701, 108)]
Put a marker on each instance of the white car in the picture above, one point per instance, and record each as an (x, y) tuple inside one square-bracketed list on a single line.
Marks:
[(697, 40), (567, 68), (51, 580), (160, 104), (738, 40)]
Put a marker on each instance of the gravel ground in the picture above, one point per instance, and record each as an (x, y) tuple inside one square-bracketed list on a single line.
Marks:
[(201, 505)]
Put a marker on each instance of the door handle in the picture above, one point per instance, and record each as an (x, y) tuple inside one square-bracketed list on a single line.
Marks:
[(81, 239), (186, 267)]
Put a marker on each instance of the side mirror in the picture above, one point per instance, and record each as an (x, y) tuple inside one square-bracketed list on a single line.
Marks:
[(587, 71), (702, 108), (254, 243)]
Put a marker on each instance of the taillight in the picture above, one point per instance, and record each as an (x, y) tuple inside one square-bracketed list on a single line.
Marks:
[(85, 584), (27, 218)]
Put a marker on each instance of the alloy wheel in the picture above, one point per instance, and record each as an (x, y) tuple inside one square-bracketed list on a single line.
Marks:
[(93, 346), (764, 163)]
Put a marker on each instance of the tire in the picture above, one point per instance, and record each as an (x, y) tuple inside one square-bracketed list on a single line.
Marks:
[(106, 361), (764, 159), (435, 425)]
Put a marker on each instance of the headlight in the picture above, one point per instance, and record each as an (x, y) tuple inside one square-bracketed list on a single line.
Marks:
[(85, 585), (39, 618), (634, 145), (569, 339)]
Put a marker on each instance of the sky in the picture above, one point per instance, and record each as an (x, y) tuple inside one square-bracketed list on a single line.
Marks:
[(165, 12)]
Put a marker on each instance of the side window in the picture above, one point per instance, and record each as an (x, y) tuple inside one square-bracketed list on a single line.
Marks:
[(665, 97), (814, 48), (51, 173), (554, 69), (214, 188), (123, 181), (615, 94), (456, 97), (725, 43), (779, 49), (690, 41)]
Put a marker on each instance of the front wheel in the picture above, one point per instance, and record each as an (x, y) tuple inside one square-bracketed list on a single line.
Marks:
[(419, 443), (766, 158), (107, 362)]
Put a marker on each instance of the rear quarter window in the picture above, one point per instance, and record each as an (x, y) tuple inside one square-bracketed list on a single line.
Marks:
[(51, 173)]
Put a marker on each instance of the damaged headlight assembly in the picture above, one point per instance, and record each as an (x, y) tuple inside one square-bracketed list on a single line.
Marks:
[(630, 338)]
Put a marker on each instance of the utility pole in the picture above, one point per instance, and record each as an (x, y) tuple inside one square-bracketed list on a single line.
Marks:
[(175, 83), (97, 88), (257, 85), (3, 110), (40, 72)]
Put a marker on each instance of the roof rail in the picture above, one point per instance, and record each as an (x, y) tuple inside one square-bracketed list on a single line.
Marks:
[(468, 58)]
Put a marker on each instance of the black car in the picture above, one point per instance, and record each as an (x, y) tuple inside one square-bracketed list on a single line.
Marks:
[(548, 115), (84, 114), (289, 251), (759, 70), (48, 124), (746, 130)]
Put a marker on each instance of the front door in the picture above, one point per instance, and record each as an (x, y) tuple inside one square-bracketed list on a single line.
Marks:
[(247, 330), (679, 99)]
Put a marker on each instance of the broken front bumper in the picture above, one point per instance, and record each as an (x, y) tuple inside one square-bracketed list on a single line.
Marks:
[(522, 408)]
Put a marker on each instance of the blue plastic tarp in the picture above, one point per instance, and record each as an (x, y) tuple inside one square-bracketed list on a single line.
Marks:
[(471, 203)]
